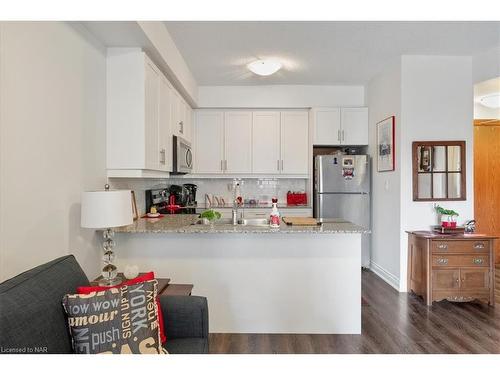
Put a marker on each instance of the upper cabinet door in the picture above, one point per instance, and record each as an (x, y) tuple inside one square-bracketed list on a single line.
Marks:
[(354, 126), (152, 87), (294, 142), (164, 124), (327, 130), (238, 142), (266, 156), (209, 142)]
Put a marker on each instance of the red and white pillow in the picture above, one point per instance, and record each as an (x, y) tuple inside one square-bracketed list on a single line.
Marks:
[(149, 276)]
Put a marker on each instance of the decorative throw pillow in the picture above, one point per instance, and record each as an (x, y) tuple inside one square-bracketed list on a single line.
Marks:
[(148, 276), (116, 320)]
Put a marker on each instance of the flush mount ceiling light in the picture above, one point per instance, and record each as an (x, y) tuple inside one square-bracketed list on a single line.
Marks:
[(264, 67), (491, 101)]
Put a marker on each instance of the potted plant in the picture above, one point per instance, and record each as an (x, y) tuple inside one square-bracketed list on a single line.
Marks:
[(451, 216), (211, 216)]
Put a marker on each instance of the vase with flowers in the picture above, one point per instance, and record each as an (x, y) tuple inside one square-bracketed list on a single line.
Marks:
[(447, 217)]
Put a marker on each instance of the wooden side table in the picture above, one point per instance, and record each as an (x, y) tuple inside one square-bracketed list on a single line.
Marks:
[(164, 286)]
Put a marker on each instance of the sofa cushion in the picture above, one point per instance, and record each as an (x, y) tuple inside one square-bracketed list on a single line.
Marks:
[(187, 346), (32, 318), (115, 320)]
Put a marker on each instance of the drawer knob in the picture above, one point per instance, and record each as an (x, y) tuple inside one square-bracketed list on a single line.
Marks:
[(442, 261), (478, 261), (479, 245), (442, 246)]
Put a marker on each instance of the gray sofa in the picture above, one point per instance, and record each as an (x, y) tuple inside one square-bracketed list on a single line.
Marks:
[(32, 319)]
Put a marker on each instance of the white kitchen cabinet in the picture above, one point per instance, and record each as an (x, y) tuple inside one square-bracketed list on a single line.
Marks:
[(238, 142), (327, 126), (164, 123), (151, 126), (209, 142), (137, 124), (294, 142), (354, 126), (266, 154), (340, 126)]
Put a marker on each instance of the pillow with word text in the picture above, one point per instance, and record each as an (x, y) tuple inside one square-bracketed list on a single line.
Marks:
[(117, 320)]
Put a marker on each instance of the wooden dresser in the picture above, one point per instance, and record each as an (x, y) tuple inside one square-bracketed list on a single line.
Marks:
[(459, 268)]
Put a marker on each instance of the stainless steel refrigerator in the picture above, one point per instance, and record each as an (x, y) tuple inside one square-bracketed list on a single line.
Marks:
[(342, 191)]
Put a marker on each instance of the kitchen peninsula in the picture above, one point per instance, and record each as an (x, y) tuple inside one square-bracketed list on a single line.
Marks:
[(293, 279)]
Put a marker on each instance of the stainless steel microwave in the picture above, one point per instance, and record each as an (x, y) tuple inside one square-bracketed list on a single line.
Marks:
[(183, 156)]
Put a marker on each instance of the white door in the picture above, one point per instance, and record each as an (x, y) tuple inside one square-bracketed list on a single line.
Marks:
[(151, 97), (327, 126), (209, 142), (164, 125), (238, 142), (294, 142), (266, 142), (354, 126)]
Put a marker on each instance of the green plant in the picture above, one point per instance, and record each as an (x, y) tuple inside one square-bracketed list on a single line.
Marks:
[(211, 215), (443, 211)]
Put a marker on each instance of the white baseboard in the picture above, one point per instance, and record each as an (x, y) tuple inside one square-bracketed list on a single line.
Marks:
[(385, 275)]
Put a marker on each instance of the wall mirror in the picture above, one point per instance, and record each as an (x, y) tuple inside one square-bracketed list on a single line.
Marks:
[(439, 171)]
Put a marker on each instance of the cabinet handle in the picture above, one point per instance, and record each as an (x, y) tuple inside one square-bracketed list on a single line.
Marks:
[(181, 127), (442, 261), (479, 245), (442, 246), (478, 261), (163, 154), (278, 165), (342, 135), (282, 165), (457, 281), (222, 165), (225, 165), (338, 135)]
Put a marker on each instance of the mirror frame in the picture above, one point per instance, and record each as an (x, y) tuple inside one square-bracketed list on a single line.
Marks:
[(463, 193)]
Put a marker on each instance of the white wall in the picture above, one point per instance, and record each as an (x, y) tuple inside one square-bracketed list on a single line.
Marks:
[(486, 65), (52, 142), (384, 100), (432, 99), (436, 104), (482, 112), (280, 96)]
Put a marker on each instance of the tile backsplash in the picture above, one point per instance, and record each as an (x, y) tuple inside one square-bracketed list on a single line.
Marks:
[(261, 189)]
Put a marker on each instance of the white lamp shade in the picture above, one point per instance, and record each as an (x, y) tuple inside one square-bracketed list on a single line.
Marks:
[(106, 209)]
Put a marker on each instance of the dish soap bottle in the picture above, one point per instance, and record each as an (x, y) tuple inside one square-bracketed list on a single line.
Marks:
[(274, 218)]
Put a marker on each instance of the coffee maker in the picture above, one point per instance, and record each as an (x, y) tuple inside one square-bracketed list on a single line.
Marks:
[(190, 190), (177, 195)]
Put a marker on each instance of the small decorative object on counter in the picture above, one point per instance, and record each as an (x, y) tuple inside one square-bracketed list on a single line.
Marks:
[(450, 221), (131, 271), (211, 216), (274, 219), (470, 226)]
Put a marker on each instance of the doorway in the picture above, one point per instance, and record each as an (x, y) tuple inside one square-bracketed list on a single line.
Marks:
[(487, 159)]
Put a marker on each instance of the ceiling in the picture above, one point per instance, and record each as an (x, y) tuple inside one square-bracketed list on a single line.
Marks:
[(319, 53)]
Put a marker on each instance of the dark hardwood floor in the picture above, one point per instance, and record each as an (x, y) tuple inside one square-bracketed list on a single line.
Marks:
[(392, 322)]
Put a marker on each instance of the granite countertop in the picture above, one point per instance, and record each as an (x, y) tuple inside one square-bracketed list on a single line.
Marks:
[(255, 206), (183, 224)]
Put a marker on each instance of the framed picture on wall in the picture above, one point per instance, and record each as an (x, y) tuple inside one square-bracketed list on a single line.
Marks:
[(385, 145)]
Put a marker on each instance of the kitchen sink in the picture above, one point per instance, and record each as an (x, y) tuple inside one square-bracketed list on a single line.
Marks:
[(244, 222), (254, 222)]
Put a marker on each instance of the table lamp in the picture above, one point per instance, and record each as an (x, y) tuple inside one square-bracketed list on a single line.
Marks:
[(107, 209)]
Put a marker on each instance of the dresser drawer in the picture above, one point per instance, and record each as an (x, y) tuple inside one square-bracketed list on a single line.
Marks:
[(463, 246), (444, 260)]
